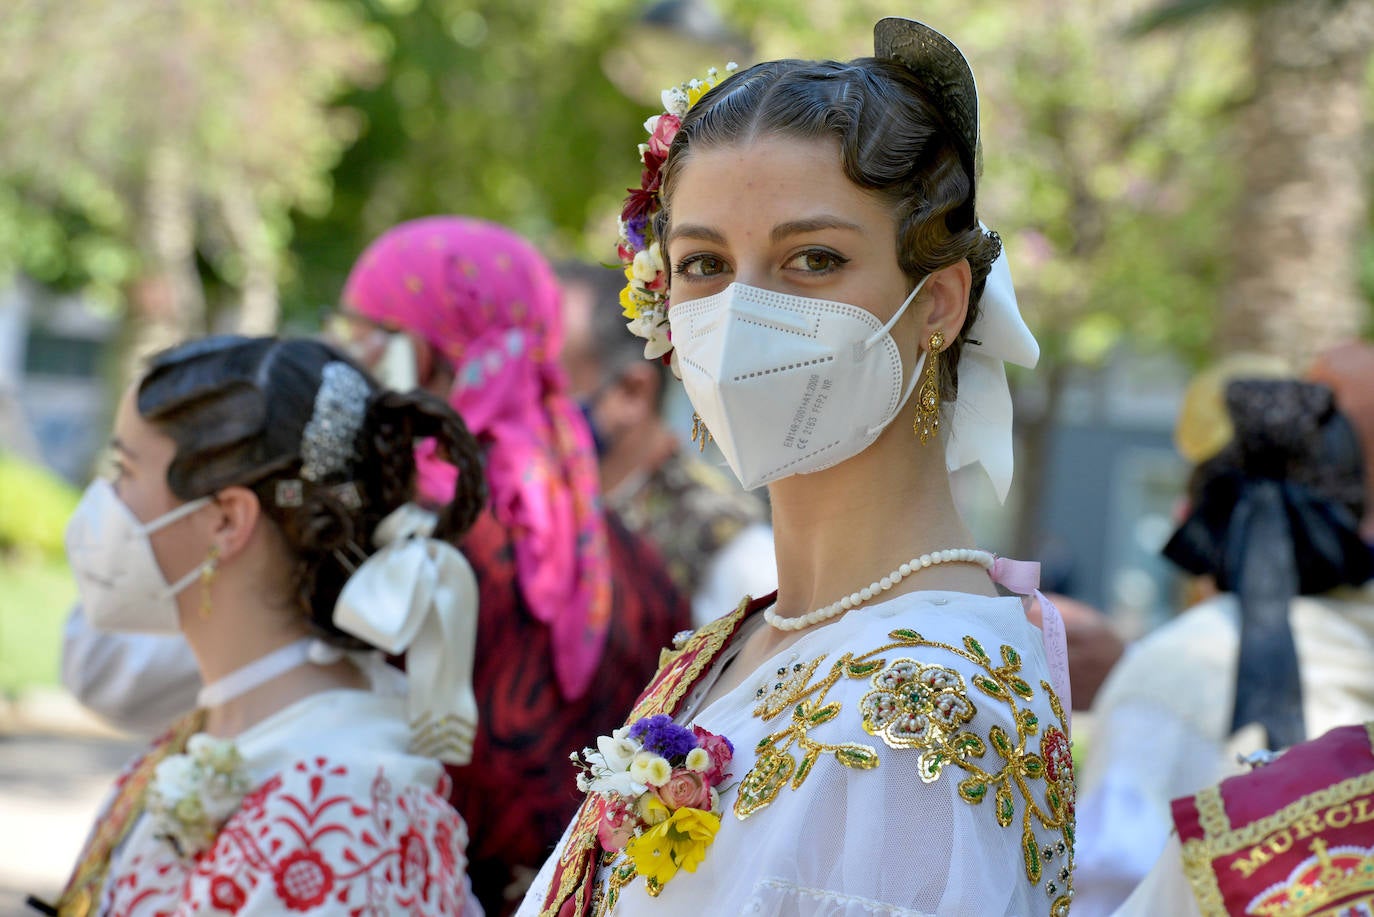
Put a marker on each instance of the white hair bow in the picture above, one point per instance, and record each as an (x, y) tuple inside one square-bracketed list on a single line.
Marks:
[(418, 595), (980, 430)]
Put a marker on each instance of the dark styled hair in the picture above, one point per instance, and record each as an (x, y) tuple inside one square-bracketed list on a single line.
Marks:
[(237, 409), (894, 141), (1288, 430)]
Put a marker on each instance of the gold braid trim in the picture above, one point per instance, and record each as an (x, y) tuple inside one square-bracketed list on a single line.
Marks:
[(1211, 811), (669, 688), (575, 860)]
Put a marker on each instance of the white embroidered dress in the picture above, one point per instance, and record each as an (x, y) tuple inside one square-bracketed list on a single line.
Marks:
[(904, 828), (342, 820)]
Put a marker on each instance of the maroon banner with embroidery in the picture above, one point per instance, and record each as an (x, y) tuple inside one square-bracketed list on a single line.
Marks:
[(1294, 838)]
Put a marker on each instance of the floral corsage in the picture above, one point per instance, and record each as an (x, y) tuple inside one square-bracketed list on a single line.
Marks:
[(656, 787), (644, 300), (193, 794)]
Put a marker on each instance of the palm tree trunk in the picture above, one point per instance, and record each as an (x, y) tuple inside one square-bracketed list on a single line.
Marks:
[(1294, 291)]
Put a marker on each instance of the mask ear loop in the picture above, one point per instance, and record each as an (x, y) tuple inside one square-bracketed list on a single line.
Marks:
[(915, 372), (181, 512)]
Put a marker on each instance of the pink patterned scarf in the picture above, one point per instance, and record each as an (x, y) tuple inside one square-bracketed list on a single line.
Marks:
[(484, 298)]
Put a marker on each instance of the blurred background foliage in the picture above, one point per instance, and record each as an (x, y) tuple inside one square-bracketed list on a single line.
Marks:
[(219, 164), (1177, 176)]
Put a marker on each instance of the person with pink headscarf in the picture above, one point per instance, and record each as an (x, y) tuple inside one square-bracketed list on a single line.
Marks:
[(573, 607)]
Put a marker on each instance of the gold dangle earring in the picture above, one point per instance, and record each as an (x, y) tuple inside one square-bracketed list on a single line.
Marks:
[(207, 576), (927, 422), (700, 434)]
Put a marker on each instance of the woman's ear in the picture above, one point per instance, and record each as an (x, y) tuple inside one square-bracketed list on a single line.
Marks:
[(948, 289), (236, 519)]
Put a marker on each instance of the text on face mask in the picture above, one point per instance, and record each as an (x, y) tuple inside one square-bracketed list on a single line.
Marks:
[(806, 416)]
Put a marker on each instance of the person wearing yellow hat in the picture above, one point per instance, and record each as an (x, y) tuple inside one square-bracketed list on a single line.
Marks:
[(1283, 650)]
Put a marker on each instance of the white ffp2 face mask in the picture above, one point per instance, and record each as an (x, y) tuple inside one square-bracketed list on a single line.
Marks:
[(789, 385), (121, 586)]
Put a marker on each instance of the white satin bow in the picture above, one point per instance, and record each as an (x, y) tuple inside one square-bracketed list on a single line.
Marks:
[(418, 595), (980, 430)]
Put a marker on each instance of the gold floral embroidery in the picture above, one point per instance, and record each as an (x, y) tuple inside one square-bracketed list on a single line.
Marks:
[(924, 706), (620, 873), (916, 706)]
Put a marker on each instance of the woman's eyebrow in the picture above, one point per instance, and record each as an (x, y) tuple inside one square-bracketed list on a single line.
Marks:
[(811, 224), (694, 231)]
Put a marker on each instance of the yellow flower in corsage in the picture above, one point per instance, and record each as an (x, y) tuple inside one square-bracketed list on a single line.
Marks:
[(655, 785), (193, 795)]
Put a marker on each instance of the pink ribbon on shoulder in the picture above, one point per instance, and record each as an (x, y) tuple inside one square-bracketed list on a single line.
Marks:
[(1023, 578)]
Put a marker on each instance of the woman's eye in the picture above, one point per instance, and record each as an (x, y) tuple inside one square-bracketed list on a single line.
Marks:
[(817, 261), (700, 266)]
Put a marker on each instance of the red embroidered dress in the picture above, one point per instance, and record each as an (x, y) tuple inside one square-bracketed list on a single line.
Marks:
[(342, 820)]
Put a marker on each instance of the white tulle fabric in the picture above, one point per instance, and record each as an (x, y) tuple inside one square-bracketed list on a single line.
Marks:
[(418, 595), (1162, 727), (860, 843)]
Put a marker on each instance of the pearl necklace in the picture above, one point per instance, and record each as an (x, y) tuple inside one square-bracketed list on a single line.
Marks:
[(983, 559)]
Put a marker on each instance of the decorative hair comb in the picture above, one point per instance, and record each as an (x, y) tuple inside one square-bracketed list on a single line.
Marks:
[(340, 405), (645, 297), (943, 69), (328, 440)]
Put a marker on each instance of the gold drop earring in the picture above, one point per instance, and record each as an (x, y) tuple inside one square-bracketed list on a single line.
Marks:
[(927, 422), (700, 434), (207, 576)]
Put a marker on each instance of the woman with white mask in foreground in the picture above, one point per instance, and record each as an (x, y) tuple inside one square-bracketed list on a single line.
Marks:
[(885, 734), (261, 505)]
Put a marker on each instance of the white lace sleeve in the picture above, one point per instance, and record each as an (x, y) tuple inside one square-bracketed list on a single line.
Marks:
[(916, 834)]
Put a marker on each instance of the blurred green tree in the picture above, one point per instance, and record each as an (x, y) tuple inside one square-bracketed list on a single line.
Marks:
[(502, 109), (150, 145), (1293, 285)]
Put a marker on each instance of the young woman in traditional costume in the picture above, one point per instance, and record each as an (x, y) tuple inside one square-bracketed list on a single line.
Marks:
[(262, 507), (885, 734)]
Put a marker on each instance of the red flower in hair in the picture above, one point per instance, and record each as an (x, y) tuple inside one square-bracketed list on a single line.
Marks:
[(639, 203), (662, 138)]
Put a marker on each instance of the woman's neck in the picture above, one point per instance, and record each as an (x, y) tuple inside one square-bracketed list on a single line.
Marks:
[(840, 529), (239, 630)]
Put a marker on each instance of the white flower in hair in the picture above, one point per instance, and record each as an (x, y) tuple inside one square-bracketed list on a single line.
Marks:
[(675, 101), (648, 264)]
